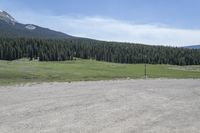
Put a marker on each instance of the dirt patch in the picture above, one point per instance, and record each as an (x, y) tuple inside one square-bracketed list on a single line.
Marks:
[(120, 106)]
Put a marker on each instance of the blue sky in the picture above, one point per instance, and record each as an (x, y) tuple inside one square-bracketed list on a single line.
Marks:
[(159, 22)]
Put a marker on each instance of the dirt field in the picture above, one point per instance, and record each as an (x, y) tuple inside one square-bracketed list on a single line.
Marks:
[(126, 106)]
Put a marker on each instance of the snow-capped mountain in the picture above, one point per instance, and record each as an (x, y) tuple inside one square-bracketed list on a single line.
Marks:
[(9, 27), (7, 17)]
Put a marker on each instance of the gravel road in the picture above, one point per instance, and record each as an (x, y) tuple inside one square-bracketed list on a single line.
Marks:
[(120, 106)]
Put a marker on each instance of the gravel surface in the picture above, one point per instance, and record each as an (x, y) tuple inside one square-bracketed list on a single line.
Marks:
[(120, 106)]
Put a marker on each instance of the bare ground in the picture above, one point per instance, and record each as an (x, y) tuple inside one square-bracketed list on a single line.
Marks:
[(124, 106)]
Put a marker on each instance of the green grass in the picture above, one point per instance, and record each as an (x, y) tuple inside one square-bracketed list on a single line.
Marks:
[(23, 71)]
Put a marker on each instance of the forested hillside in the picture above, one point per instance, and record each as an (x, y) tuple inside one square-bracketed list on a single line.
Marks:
[(30, 41), (67, 49)]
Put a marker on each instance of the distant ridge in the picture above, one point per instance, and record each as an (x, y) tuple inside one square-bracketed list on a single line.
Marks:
[(193, 47), (10, 28)]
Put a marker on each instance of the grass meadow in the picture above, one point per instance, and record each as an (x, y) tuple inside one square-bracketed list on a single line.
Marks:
[(23, 71)]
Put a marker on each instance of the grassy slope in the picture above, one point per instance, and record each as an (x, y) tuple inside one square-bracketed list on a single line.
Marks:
[(33, 71)]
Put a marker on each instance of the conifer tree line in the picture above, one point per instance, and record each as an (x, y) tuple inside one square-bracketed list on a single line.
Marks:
[(69, 49)]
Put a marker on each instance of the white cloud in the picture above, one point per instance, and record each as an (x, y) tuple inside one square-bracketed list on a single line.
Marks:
[(113, 30)]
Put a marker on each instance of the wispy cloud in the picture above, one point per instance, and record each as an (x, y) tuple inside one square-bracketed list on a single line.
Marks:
[(113, 30)]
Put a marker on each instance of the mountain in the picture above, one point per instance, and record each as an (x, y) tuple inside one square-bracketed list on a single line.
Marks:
[(193, 47), (9, 27), (4, 16)]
